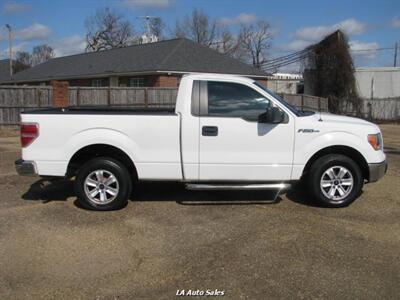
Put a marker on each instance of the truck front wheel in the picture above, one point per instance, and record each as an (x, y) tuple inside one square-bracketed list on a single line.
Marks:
[(335, 180), (103, 183)]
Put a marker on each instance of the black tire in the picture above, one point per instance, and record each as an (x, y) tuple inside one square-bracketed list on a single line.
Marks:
[(120, 185), (340, 187)]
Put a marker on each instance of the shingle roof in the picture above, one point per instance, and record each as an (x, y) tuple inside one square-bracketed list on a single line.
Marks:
[(180, 55), (4, 70)]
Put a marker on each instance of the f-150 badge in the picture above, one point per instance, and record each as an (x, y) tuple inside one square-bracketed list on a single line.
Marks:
[(308, 130)]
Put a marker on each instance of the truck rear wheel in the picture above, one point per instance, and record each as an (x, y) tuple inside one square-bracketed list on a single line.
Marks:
[(103, 184), (335, 180)]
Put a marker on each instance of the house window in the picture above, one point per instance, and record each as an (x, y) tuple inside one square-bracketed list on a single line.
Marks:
[(97, 82), (136, 82)]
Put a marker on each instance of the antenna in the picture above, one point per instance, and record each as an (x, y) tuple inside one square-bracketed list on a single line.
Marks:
[(319, 110)]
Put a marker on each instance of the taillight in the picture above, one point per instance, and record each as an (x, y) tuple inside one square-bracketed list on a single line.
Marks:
[(29, 132)]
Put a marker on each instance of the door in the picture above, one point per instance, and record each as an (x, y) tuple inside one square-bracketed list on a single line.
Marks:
[(233, 144)]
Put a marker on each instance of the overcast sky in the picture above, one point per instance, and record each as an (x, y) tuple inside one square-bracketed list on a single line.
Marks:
[(296, 24)]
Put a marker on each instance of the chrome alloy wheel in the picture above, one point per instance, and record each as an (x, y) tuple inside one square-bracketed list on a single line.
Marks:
[(101, 187), (336, 183)]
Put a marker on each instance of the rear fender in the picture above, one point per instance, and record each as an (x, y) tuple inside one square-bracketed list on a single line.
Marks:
[(102, 136)]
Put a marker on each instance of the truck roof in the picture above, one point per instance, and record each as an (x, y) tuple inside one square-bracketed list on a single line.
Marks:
[(207, 76)]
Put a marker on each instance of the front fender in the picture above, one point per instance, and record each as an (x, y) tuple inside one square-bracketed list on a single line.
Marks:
[(307, 145)]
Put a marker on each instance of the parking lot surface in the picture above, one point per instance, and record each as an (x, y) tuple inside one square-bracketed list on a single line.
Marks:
[(256, 245)]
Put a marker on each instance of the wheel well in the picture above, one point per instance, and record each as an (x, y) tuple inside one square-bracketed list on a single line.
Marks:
[(97, 150), (344, 150)]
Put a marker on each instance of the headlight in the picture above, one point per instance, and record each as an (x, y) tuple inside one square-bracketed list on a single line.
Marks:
[(375, 140)]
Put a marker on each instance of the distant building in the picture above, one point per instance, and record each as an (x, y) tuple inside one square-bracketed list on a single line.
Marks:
[(371, 82), (378, 83), (286, 83), (148, 38)]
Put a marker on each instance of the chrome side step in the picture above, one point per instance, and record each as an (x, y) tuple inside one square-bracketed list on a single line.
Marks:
[(261, 186)]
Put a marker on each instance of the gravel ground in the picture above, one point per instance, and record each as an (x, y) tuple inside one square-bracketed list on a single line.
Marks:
[(250, 245)]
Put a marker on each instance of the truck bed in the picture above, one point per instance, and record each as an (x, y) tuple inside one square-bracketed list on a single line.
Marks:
[(103, 110), (149, 136)]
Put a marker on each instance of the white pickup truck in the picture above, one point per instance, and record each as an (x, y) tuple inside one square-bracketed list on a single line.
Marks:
[(226, 132)]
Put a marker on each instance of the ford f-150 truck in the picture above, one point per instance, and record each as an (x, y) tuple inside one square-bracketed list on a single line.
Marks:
[(226, 132)]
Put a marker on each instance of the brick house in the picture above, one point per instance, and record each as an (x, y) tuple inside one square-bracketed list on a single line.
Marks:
[(159, 64)]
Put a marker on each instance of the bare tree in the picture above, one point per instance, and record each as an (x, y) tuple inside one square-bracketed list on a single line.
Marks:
[(25, 60), (250, 44), (107, 29), (255, 41), (228, 44), (22, 61), (41, 54), (198, 27)]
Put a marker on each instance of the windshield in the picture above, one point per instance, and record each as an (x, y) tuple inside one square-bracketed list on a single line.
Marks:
[(279, 98)]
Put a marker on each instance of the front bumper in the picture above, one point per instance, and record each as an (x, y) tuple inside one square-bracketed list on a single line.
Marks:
[(376, 171), (25, 168)]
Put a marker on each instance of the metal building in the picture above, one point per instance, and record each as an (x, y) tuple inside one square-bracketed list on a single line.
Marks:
[(378, 83)]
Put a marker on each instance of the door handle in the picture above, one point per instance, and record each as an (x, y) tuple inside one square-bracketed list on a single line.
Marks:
[(209, 130)]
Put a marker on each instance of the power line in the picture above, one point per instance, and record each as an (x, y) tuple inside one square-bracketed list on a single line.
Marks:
[(288, 56), (276, 66), (373, 49), (285, 60), (281, 65), (300, 55), (284, 63)]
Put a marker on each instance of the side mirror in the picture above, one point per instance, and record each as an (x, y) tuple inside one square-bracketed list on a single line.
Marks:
[(273, 115)]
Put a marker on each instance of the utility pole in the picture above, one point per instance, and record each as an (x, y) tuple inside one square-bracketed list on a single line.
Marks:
[(10, 47), (395, 55)]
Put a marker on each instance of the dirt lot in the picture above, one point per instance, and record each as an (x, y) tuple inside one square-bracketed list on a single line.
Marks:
[(249, 245)]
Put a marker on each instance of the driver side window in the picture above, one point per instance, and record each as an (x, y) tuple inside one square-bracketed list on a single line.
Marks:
[(227, 99)]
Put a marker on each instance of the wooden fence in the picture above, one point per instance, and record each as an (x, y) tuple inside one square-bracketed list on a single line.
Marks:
[(386, 109), (122, 96), (14, 99)]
